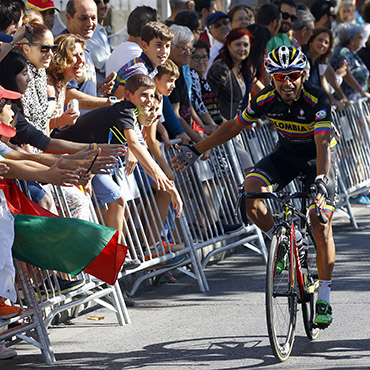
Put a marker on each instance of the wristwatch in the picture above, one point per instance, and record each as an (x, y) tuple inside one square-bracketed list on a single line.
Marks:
[(323, 178), (112, 100)]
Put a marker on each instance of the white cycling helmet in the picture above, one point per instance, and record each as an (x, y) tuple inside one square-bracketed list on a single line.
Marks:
[(285, 58)]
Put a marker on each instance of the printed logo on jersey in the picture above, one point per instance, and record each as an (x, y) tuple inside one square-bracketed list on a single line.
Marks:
[(294, 129), (250, 110), (320, 114), (301, 114)]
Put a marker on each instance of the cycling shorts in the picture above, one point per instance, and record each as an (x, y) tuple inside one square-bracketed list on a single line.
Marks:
[(279, 168)]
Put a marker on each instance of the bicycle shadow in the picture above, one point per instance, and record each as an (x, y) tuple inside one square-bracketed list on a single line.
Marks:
[(197, 353)]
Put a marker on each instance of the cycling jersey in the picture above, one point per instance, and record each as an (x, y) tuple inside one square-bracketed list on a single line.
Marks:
[(297, 123)]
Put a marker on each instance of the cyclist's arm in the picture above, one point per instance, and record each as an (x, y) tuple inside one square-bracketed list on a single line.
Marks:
[(223, 134), (231, 128), (323, 153)]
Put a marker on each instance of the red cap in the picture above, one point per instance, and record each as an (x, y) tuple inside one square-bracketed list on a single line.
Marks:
[(6, 130), (7, 94), (42, 5)]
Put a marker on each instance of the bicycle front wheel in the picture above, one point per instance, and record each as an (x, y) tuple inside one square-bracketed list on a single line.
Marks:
[(311, 288), (281, 297)]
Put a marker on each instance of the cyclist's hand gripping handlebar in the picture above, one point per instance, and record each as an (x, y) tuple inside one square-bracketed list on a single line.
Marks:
[(315, 188)]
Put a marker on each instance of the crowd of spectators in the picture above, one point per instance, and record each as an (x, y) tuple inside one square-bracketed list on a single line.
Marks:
[(62, 94)]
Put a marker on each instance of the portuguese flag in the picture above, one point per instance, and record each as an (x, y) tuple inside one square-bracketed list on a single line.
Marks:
[(63, 244)]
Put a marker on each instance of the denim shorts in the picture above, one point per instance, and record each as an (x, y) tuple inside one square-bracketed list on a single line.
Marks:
[(106, 189), (37, 192)]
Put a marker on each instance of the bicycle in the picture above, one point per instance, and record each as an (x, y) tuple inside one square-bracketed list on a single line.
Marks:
[(287, 281)]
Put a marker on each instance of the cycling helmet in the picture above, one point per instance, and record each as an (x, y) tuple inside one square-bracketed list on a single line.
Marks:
[(285, 58)]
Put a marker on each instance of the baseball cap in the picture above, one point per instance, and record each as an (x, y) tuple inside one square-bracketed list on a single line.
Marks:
[(212, 18), (7, 94), (42, 5), (6, 38)]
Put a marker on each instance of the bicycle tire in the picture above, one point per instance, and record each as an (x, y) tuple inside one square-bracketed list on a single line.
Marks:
[(281, 301), (311, 293)]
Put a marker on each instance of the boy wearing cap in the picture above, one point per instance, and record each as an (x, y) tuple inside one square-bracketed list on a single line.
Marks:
[(47, 10), (219, 26)]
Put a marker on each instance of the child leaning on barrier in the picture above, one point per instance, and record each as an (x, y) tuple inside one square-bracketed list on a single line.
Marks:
[(169, 126), (156, 40), (124, 117)]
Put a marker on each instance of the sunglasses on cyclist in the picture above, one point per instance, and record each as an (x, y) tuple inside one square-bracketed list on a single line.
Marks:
[(44, 48), (225, 22), (286, 15), (282, 77)]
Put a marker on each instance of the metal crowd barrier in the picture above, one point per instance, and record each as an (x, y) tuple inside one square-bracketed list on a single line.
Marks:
[(42, 298), (209, 191)]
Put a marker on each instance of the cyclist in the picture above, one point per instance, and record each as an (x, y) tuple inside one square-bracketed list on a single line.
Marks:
[(301, 113)]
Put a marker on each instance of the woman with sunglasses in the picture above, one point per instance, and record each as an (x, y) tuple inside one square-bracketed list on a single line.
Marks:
[(68, 63), (203, 99), (38, 49)]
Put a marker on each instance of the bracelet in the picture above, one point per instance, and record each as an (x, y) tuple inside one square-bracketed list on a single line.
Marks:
[(95, 146)]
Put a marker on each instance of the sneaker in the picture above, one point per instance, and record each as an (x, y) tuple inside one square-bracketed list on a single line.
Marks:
[(6, 353), (227, 229), (169, 277), (66, 286), (323, 317), (172, 247), (281, 259), (360, 200), (130, 264), (7, 311)]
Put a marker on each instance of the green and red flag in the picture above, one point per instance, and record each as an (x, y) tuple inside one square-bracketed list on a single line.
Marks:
[(63, 244)]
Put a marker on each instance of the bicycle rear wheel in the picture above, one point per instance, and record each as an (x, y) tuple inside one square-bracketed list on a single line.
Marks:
[(281, 298), (311, 287)]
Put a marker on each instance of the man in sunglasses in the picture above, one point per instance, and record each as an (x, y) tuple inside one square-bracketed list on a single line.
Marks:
[(301, 114), (288, 16), (219, 26)]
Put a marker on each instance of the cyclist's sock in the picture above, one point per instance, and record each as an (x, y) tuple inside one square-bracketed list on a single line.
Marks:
[(324, 290)]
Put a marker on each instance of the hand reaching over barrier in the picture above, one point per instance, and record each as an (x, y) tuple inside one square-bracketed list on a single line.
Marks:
[(185, 158)]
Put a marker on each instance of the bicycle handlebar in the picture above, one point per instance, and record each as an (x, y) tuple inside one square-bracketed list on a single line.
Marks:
[(284, 196)]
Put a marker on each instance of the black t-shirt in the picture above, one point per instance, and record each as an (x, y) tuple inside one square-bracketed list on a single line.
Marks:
[(180, 95), (297, 123), (364, 54), (94, 126), (29, 134)]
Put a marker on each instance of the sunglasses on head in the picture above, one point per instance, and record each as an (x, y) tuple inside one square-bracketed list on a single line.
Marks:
[(286, 15), (282, 77)]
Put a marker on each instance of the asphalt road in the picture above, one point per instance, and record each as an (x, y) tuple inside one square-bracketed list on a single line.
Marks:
[(174, 326)]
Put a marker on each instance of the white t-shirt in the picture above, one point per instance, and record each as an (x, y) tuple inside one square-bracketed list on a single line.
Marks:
[(121, 55)]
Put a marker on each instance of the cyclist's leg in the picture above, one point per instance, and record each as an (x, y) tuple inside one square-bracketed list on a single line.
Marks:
[(325, 254), (270, 174)]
